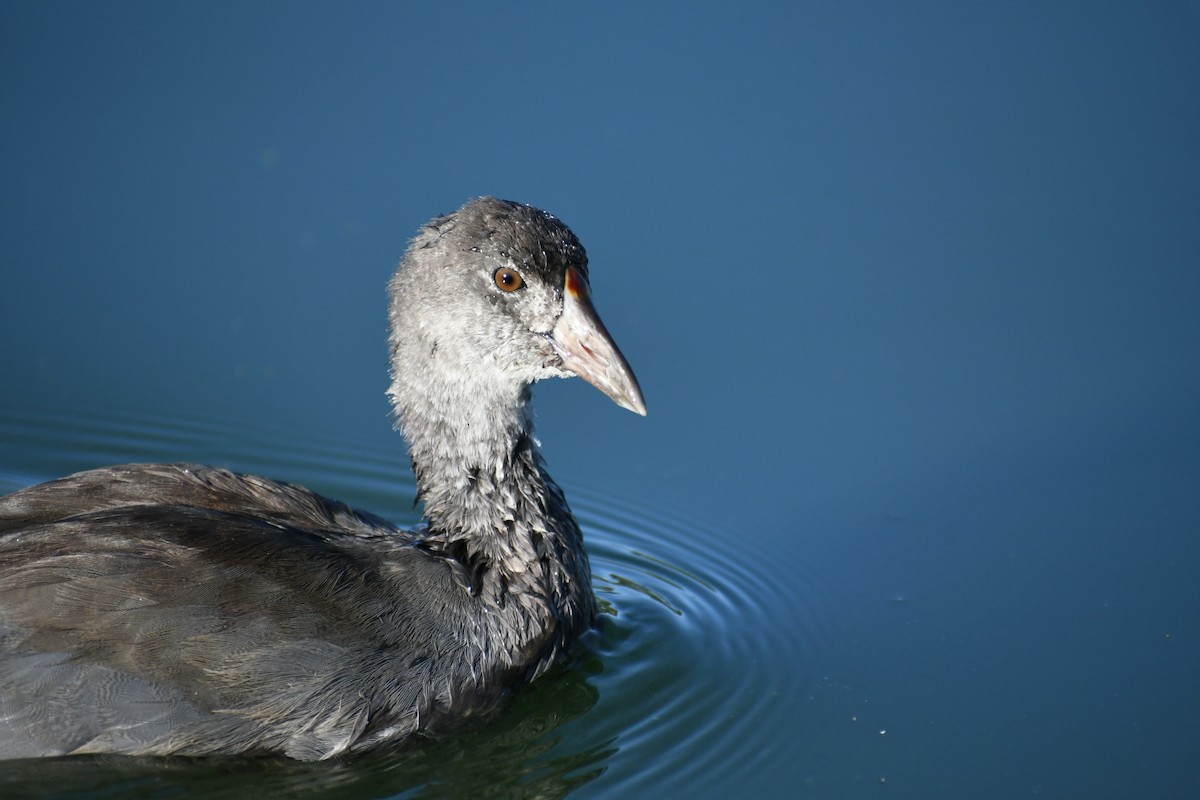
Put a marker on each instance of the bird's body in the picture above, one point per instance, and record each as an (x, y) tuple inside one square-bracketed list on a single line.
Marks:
[(180, 609)]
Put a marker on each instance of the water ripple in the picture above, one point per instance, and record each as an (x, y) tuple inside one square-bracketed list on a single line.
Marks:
[(704, 652)]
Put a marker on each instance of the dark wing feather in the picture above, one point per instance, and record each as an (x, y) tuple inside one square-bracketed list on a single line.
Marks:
[(196, 627)]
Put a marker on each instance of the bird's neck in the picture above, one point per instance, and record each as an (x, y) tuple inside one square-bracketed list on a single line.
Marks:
[(486, 493), (474, 456)]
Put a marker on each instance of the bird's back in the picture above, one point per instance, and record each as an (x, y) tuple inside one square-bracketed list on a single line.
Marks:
[(173, 608)]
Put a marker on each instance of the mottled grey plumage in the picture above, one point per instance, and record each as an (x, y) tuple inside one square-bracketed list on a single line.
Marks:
[(180, 609)]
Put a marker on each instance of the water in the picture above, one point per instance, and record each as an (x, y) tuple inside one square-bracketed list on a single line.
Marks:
[(911, 291), (1000, 639)]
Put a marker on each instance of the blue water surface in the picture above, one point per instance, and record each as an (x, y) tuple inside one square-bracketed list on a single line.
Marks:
[(911, 289)]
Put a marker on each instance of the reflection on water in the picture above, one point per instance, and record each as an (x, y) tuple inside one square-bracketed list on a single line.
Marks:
[(683, 670)]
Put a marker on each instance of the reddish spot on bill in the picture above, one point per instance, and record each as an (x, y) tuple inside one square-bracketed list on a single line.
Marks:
[(577, 285)]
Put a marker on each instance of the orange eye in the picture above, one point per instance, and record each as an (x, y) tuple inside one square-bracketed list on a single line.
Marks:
[(508, 279)]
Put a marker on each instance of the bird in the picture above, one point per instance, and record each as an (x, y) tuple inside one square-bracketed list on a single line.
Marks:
[(187, 610)]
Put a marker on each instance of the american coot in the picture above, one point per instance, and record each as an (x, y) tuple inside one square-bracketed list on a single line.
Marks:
[(180, 609)]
